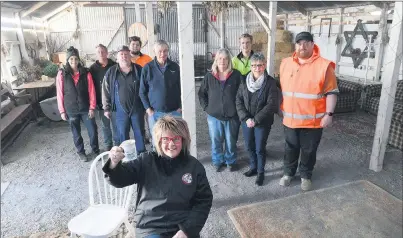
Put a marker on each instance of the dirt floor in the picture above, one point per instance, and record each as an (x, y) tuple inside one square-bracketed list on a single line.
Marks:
[(48, 184)]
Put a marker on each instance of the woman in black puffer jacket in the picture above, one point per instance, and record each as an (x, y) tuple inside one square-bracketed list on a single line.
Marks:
[(256, 104)]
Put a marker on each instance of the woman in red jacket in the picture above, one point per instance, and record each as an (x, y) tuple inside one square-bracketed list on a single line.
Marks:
[(76, 100)]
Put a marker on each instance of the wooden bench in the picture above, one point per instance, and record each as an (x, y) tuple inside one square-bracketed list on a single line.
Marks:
[(15, 120)]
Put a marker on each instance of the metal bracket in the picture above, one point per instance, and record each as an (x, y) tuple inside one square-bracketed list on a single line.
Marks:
[(330, 25), (356, 54)]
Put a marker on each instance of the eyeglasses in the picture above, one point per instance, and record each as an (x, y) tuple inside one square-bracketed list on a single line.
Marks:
[(175, 140), (256, 65)]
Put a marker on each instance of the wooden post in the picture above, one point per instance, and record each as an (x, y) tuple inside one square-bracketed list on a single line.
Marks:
[(186, 57), (21, 39), (222, 29), (244, 19), (150, 28), (45, 32), (340, 36), (387, 100), (271, 49), (383, 33), (78, 28), (137, 11), (308, 21)]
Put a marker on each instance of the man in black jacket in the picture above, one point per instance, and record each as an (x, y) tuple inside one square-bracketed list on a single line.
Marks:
[(160, 89), (120, 94), (98, 70)]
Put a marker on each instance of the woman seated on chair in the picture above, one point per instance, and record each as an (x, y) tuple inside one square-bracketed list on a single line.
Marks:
[(174, 195)]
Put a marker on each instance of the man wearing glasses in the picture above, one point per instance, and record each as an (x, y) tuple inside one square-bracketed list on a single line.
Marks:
[(309, 89)]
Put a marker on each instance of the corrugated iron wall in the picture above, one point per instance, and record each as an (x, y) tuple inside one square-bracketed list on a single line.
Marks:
[(108, 25)]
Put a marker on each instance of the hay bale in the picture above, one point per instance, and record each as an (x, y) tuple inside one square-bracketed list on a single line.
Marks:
[(257, 47), (283, 36), (260, 37), (278, 57), (285, 47)]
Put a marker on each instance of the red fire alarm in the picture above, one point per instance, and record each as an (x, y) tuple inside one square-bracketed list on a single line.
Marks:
[(213, 18)]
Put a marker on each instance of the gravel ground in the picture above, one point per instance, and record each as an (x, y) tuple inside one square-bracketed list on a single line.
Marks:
[(48, 184)]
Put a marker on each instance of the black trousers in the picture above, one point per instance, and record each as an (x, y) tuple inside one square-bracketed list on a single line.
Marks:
[(304, 141)]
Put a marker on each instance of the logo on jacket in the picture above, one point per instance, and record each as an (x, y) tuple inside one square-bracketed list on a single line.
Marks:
[(187, 178)]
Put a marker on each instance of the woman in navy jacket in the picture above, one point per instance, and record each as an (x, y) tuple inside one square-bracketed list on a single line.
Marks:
[(256, 104)]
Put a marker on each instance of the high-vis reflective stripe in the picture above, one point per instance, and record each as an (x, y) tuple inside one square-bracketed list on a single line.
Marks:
[(303, 95), (336, 90), (303, 117)]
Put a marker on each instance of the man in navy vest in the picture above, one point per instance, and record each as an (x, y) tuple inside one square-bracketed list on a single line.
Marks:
[(120, 93), (160, 89), (76, 101)]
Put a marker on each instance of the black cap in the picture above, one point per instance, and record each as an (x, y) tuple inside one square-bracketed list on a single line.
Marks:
[(123, 48), (304, 36)]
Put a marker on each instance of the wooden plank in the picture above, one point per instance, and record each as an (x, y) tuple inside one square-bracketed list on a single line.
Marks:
[(150, 28), (386, 102), (340, 36), (259, 16), (222, 30), (308, 22), (35, 7), (36, 84), (12, 118), (56, 11), (271, 49), (299, 7), (4, 187), (383, 34), (186, 62)]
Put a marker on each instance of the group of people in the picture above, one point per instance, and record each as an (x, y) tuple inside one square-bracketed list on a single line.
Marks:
[(305, 98), (125, 94), (175, 197)]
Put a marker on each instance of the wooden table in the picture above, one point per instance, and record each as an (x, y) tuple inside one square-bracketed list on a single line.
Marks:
[(37, 87)]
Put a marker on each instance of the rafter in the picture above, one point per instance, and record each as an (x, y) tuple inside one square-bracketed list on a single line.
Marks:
[(259, 15), (35, 7), (299, 7)]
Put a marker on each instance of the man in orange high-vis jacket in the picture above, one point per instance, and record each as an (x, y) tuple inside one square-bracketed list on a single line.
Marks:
[(309, 88), (138, 57)]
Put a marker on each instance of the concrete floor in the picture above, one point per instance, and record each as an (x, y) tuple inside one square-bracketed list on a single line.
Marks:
[(48, 184)]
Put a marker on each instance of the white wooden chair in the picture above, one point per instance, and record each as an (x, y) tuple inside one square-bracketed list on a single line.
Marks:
[(108, 208)]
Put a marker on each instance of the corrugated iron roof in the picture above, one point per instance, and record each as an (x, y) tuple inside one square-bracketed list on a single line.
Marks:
[(23, 6)]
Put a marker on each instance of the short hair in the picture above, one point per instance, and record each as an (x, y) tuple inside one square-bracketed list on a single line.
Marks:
[(175, 125), (259, 56), (135, 38), (227, 54), (246, 35), (101, 46), (160, 43)]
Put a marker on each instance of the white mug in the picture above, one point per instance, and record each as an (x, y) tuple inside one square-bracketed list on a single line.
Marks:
[(129, 146)]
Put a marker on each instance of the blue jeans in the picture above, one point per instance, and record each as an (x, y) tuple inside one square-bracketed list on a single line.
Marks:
[(124, 120), (157, 115), (255, 143), (220, 132), (136, 121), (108, 130), (75, 126)]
